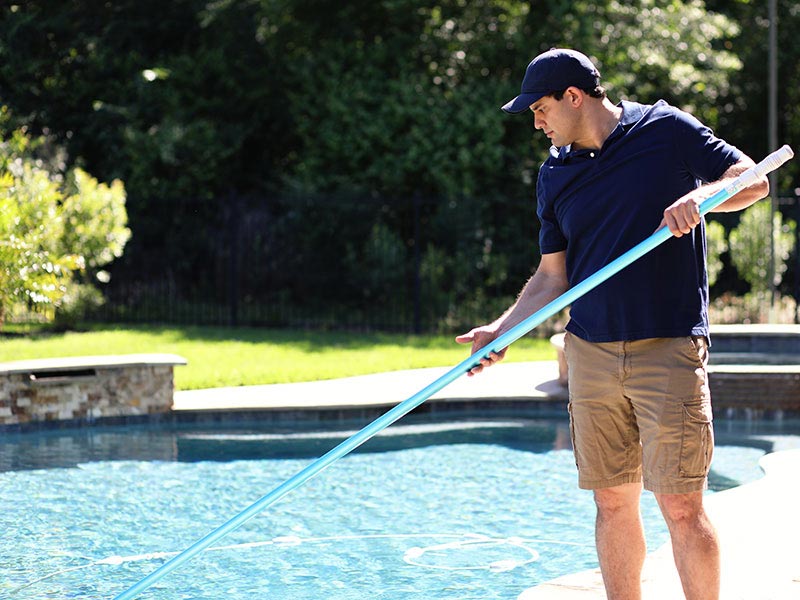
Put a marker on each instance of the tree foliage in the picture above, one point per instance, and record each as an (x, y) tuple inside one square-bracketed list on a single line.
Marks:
[(743, 110), (195, 103), (394, 96), (717, 245), (53, 235)]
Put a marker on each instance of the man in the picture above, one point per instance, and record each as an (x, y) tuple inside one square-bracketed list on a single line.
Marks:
[(636, 345)]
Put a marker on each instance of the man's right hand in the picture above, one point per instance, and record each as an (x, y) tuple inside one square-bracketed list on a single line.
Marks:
[(479, 338), (549, 281)]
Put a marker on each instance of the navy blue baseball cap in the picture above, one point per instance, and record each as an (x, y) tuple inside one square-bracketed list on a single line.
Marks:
[(554, 71)]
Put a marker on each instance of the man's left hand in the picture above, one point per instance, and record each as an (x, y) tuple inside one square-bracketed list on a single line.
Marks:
[(683, 215)]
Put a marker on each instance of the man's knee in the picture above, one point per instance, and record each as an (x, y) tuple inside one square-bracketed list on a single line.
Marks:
[(681, 508), (618, 499)]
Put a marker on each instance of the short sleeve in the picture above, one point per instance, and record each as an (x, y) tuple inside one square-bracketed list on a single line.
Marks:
[(705, 156), (551, 238)]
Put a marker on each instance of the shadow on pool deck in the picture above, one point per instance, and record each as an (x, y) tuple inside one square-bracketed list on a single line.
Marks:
[(758, 523)]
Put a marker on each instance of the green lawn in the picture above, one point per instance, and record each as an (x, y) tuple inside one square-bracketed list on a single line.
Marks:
[(220, 356)]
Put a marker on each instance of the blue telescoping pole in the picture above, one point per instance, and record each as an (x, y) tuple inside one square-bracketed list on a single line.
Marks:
[(773, 161)]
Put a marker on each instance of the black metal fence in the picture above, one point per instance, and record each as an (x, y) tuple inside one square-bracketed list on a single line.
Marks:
[(404, 264), (407, 264)]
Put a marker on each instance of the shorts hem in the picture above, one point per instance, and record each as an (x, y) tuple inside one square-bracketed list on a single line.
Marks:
[(597, 484), (684, 487)]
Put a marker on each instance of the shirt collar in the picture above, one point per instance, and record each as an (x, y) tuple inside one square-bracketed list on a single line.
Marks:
[(632, 112)]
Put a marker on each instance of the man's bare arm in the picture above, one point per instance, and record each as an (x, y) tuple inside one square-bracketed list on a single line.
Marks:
[(547, 284), (684, 214)]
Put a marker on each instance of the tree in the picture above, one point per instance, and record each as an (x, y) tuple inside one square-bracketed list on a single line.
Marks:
[(203, 108), (717, 245), (195, 99)]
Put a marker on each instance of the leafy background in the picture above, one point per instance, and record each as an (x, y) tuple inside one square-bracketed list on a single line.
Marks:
[(222, 116)]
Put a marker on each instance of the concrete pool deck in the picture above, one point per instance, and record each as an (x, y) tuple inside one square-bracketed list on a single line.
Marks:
[(533, 382), (758, 523), (759, 531)]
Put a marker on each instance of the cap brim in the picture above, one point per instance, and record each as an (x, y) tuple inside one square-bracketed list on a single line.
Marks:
[(522, 102)]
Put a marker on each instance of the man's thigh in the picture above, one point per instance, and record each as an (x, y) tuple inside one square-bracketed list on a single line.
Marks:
[(605, 435), (672, 401)]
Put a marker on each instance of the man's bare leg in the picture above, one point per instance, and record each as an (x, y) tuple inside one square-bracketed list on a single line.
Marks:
[(619, 535), (694, 544)]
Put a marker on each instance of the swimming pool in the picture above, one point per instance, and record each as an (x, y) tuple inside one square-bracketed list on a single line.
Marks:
[(448, 510)]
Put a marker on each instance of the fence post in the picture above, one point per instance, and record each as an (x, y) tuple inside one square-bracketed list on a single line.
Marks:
[(234, 215), (417, 267), (796, 278)]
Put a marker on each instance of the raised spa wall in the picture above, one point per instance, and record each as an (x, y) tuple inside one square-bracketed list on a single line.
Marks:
[(86, 388), (754, 367)]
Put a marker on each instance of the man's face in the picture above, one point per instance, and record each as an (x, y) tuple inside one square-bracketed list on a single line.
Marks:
[(556, 119)]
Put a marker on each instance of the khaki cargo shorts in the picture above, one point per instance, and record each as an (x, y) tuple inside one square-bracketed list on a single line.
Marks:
[(640, 411)]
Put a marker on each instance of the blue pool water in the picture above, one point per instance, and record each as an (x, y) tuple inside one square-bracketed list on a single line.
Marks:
[(447, 511)]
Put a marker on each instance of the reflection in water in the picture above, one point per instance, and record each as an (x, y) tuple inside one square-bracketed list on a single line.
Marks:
[(68, 448)]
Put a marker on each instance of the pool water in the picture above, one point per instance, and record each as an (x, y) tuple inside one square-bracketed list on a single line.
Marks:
[(447, 511)]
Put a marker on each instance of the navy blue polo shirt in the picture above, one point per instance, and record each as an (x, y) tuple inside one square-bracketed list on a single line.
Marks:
[(598, 204)]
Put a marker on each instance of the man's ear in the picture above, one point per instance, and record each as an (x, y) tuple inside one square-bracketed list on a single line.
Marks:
[(574, 96)]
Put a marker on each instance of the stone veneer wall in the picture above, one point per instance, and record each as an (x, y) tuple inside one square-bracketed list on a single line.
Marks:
[(86, 388)]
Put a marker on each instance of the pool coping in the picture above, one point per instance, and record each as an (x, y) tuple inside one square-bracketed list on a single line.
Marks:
[(523, 385), (106, 361), (523, 382)]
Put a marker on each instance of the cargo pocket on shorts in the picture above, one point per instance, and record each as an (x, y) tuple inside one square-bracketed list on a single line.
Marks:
[(697, 443)]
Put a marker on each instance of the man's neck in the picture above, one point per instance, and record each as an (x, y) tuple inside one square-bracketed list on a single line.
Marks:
[(601, 118)]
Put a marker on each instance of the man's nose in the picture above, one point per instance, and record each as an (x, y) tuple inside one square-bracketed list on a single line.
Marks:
[(537, 122)]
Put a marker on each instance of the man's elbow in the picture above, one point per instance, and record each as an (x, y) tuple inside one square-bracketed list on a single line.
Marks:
[(762, 187), (759, 188)]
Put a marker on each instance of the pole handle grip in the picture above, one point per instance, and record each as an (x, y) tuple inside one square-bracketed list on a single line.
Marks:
[(756, 172), (774, 160)]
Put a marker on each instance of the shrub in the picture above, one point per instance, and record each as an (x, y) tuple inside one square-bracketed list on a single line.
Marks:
[(53, 236), (750, 246)]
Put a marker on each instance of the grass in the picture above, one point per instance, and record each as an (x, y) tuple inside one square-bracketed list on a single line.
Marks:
[(220, 356)]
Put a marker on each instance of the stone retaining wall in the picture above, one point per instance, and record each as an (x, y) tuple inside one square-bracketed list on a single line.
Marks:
[(86, 388)]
